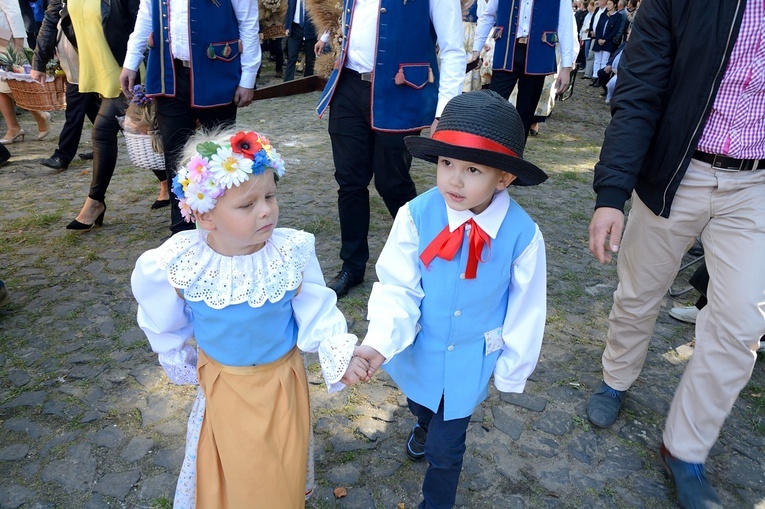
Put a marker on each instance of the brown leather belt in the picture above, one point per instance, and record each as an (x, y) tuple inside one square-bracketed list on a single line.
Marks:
[(722, 162)]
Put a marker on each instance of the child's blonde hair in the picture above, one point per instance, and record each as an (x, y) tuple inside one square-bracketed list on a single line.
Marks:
[(216, 160)]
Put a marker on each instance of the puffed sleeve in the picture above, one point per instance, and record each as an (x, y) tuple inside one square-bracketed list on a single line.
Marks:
[(322, 326), (164, 318), (525, 318), (394, 304)]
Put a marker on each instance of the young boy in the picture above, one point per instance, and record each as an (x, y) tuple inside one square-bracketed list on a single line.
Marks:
[(461, 291)]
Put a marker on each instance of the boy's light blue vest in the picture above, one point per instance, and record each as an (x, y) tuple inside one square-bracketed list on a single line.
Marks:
[(213, 32), (406, 42), (448, 355), (543, 35)]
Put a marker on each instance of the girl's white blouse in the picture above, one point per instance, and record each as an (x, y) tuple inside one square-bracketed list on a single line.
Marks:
[(287, 262)]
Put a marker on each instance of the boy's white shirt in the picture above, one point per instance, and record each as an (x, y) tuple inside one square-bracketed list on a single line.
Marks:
[(394, 304)]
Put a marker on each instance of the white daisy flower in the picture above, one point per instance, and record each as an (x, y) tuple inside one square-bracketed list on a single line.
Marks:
[(230, 168), (198, 198)]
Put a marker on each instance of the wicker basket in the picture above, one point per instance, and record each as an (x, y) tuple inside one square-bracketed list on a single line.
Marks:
[(30, 95), (141, 151)]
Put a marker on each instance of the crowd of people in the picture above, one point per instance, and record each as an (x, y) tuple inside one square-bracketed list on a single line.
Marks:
[(444, 316)]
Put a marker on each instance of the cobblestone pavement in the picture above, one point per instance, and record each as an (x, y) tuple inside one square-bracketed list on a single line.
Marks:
[(89, 420)]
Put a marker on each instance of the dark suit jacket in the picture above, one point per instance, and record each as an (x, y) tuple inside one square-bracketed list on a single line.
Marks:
[(309, 31)]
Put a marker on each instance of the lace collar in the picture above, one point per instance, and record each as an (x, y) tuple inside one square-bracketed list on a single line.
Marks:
[(221, 281)]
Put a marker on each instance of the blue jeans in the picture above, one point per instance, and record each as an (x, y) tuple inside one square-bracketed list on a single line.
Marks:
[(444, 449)]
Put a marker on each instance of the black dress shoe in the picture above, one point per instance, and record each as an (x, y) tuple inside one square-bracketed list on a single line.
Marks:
[(86, 156), (158, 204), (343, 282), (55, 162)]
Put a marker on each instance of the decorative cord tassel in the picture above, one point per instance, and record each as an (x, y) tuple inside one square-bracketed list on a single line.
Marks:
[(400, 78)]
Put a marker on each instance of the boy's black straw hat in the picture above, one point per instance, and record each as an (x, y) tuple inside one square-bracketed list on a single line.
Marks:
[(483, 128)]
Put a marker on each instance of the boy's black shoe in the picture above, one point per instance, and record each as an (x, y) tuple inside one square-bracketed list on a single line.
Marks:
[(415, 445)]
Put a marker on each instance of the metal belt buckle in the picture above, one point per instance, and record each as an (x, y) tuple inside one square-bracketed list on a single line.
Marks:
[(523, 40), (186, 63), (719, 165), (366, 76)]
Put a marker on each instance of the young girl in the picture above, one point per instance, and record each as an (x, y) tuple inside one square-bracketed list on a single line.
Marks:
[(251, 295)]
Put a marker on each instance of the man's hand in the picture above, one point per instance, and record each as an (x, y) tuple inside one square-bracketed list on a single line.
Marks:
[(473, 56), (127, 81), (243, 96), (564, 76), (318, 48), (601, 41), (606, 222), (607, 69), (38, 76), (372, 356)]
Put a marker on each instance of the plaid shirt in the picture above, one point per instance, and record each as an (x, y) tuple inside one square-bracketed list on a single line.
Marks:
[(735, 126)]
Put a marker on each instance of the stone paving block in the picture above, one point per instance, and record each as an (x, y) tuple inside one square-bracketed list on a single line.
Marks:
[(162, 485), (110, 436), (137, 448), (31, 398), (60, 439), (117, 485), (506, 423), (18, 377), (76, 472), (585, 446), (344, 441), (24, 425), (555, 423), (170, 459), (523, 400), (343, 475), (14, 452), (14, 495)]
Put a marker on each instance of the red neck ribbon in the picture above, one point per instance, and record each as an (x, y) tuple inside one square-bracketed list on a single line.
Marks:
[(446, 244)]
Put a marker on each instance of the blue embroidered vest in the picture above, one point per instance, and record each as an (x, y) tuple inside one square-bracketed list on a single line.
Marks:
[(543, 35), (406, 46), (214, 32), (448, 355)]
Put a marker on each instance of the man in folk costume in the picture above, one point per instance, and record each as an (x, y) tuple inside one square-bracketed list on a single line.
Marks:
[(527, 33), (387, 84), (203, 59)]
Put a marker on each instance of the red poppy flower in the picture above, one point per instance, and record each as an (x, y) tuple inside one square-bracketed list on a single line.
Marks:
[(246, 143)]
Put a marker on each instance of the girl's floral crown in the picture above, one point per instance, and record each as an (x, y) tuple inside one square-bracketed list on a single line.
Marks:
[(217, 166)]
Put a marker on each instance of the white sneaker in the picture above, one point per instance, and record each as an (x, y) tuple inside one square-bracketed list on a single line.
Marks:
[(686, 314)]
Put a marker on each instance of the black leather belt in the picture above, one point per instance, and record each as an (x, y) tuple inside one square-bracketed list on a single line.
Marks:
[(721, 162), (363, 76)]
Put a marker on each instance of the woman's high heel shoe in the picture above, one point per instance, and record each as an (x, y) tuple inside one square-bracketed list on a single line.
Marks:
[(44, 134), (20, 134), (76, 225)]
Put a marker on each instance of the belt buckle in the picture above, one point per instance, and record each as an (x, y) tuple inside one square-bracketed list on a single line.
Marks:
[(523, 40), (366, 76), (719, 166)]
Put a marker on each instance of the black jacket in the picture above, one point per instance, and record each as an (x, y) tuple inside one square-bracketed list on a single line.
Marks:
[(669, 75), (117, 20), (309, 31)]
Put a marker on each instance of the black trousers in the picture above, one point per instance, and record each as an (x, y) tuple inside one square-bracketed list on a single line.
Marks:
[(360, 153), (78, 106), (529, 86), (104, 134), (177, 121), (603, 78), (294, 43)]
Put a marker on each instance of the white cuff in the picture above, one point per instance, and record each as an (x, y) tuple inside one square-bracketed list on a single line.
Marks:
[(180, 365), (335, 356)]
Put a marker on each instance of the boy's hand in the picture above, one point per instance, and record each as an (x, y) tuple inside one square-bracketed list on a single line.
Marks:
[(356, 372), (372, 356)]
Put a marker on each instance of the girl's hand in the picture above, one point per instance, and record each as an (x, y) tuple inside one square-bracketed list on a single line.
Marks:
[(356, 372)]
